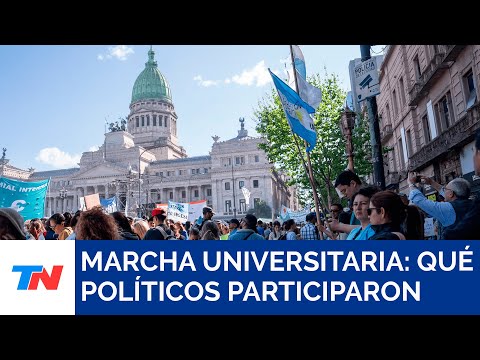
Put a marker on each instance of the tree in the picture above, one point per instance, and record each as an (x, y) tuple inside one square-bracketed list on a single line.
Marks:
[(328, 157), (261, 210)]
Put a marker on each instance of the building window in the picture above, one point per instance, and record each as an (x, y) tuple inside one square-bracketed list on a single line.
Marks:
[(227, 186), (205, 170), (195, 193), (181, 172), (209, 192), (143, 120), (426, 129), (243, 205), (170, 195), (154, 120), (255, 183), (137, 121), (160, 120), (165, 121), (241, 184), (184, 194), (239, 160), (409, 143), (148, 120), (395, 104), (416, 66), (228, 205), (158, 196), (257, 158), (402, 91), (470, 89)]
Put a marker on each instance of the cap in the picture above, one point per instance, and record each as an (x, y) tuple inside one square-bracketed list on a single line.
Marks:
[(207, 209), (235, 221), (158, 211), (16, 219)]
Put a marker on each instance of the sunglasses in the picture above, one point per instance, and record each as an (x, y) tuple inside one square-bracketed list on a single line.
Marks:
[(369, 210)]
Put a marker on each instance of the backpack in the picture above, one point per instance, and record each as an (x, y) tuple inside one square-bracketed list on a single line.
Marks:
[(166, 236)]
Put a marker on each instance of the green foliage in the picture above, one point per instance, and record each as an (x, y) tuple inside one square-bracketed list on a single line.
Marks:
[(328, 157), (261, 210)]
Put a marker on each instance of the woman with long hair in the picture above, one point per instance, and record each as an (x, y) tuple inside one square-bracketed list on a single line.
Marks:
[(94, 224), (391, 219)]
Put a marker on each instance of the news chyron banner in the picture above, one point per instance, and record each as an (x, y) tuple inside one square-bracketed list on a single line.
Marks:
[(240, 277)]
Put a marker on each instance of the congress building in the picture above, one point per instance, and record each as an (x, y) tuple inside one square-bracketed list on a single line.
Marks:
[(142, 163)]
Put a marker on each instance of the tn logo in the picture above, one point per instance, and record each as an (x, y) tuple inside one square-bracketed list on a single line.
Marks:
[(30, 275)]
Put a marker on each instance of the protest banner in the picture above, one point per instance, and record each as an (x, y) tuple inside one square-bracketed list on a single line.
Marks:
[(27, 197)]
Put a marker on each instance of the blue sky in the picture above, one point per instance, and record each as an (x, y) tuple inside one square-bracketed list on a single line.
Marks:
[(55, 99)]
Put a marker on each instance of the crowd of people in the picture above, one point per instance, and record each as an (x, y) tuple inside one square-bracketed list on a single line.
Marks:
[(372, 214)]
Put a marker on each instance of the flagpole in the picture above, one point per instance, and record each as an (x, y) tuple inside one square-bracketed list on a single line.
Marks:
[(309, 172)]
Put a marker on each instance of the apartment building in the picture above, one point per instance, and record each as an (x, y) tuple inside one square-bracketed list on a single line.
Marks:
[(429, 111)]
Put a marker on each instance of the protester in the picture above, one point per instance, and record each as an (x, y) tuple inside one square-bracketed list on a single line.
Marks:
[(160, 231), (361, 203), (387, 214), (210, 231), (140, 228), (310, 231), (207, 213), (248, 229), (36, 229), (276, 232), (449, 212), (94, 224), (57, 223), (347, 184), (233, 226), (468, 228), (179, 231), (73, 224), (194, 234), (290, 227), (124, 227), (11, 225)]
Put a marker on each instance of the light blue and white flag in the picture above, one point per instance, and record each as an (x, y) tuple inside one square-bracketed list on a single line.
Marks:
[(309, 93), (28, 198), (297, 112)]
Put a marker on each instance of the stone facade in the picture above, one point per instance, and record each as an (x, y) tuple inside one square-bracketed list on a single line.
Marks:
[(429, 111), (145, 164)]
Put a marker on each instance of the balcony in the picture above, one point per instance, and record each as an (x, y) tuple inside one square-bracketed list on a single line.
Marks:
[(452, 52), (386, 133), (434, 70), (456, 136)]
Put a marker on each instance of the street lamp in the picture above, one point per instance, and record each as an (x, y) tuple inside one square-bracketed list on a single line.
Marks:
[(347, 125), (156, 145)]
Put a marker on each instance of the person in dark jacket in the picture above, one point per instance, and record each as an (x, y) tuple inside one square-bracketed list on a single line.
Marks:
[(388, 214), (448, 212), (124, 227), (468, 228)]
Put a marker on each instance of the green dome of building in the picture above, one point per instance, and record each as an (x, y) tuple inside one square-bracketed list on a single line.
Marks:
[(151, 84)]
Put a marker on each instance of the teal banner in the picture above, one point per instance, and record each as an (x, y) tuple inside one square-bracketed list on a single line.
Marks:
[(28, 198)]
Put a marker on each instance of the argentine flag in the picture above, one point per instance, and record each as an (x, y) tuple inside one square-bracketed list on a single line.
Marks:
[(309, 93), (297, 112)]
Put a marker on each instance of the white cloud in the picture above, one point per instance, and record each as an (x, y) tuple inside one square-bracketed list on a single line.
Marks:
[(205, 83), (93, 148), (258, 76), (56, 158), (120, 52)]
